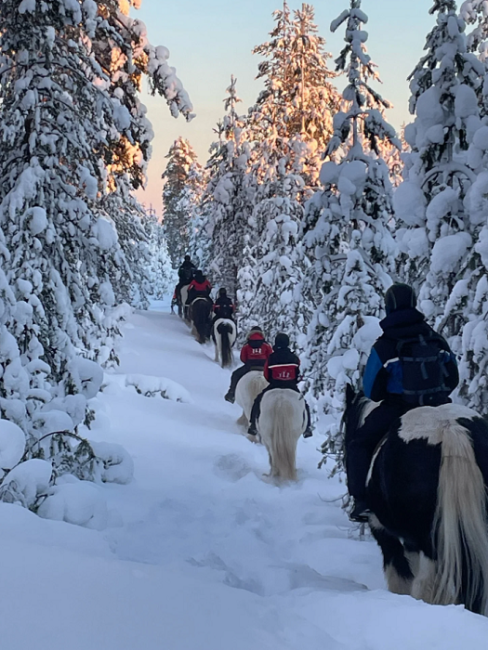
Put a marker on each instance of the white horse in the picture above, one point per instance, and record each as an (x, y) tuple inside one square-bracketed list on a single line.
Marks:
[(249, 387), (282, 421), (224, 335)]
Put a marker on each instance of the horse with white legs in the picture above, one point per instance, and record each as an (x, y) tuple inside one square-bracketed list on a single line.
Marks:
[(427, 490), (248, 388), (283, 419), (224, 335), (200, 311)]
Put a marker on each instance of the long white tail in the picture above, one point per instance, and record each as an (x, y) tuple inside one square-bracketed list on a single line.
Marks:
[(460, 525), (280, 425)]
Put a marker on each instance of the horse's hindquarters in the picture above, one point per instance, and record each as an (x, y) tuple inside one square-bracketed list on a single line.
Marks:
[(248, 388), (281, 423)]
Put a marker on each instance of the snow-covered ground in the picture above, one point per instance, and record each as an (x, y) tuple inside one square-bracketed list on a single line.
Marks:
[(201, 552)]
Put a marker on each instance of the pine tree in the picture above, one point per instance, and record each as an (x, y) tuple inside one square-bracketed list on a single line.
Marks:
[(227, 197), (347, 233), (430, 203), (162, 277), (180, 180), (123, 51), (277, 303), (298, 96)]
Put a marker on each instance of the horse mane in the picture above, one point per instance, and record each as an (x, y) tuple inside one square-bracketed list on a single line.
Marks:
[(360, 408)]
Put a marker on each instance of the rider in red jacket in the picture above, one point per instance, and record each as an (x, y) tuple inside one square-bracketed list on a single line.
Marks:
[(282, 370), (253, 355), (199, 287)]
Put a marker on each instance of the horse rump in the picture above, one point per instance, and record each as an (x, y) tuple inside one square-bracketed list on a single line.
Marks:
[(226, 330), (281, 423), (200, 316)]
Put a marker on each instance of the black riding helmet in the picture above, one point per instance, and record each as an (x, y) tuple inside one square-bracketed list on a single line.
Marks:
[(199, 277), (400, 296), (222, 292), (281, 341), (187, 258)]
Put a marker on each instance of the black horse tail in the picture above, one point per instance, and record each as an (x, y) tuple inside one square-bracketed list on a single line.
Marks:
[(225, 330), (460, 520), (200, 311)]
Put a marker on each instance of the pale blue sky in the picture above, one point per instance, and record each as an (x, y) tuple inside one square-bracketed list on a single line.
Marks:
[(211, 39)]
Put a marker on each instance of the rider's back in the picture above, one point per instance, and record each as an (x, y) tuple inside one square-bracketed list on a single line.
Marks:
[(411, 362)]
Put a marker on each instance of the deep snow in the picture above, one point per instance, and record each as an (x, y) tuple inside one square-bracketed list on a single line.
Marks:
[(201, 552)]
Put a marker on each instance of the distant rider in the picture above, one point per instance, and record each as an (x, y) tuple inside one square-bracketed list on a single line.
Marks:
[(199, 287), (253, 355), (185, 275), (410, 365), (223, 306), (282, 370)]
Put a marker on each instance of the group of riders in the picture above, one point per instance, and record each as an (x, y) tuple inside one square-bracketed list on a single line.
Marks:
[(410, 365)]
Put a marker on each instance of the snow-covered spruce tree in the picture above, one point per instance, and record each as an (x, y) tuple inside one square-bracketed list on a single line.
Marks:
[(227, 201), (277, 303), (298, 97), (126, 57), (176, 218), (161, 275), (438, 231), (55, 120), (348, 235)]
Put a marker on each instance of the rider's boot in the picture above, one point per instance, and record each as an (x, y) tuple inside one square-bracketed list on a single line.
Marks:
[(308, 433), (230, 397)]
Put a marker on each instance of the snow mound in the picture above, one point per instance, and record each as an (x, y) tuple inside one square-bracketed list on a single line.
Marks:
[(90, 375), (27, 481), (118, 466), (12, 444), (80, 503), (152, 386)]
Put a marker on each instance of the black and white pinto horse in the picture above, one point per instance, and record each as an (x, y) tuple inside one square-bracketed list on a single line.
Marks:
[(427, 490), (248, 388), (224, 335), (200, 311), (282, 421)]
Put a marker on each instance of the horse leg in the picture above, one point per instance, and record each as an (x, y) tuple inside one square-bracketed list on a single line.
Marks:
[(423, 585), (243, 421), (396, 566)]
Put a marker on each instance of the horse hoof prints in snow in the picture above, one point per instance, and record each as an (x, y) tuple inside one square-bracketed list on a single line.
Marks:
[(225, 334), (427, 490), (282, 421)]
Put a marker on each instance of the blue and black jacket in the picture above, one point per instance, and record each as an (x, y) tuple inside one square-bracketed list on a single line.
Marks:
[(383, 374)]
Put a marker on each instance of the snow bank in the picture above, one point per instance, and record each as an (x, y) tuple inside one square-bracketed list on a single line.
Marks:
[(80, 503), (152, 386), (118, 466)]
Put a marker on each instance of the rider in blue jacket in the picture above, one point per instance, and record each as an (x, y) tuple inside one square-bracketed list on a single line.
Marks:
[(410, 365)]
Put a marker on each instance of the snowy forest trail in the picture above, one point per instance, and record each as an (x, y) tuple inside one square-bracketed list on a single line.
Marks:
[(202, 552)]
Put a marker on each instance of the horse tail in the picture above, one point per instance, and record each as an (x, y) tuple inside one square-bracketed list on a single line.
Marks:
[(460, 525), (225, 330), (283, 438)]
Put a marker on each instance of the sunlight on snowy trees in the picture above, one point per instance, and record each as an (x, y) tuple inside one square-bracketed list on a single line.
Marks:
[(312, 204)]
